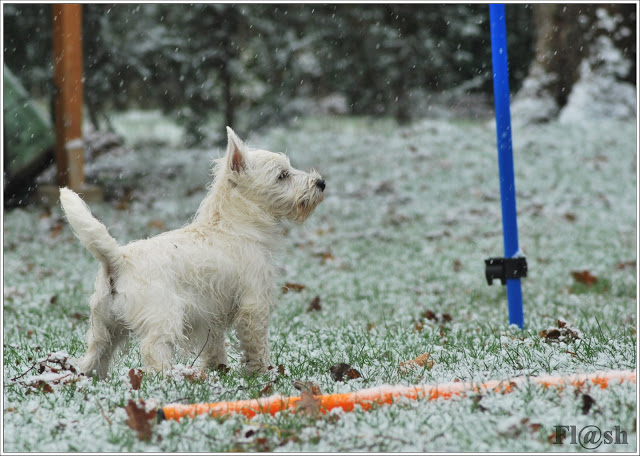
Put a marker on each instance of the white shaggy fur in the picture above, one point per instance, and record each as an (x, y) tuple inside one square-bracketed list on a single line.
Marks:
[(188, 286)]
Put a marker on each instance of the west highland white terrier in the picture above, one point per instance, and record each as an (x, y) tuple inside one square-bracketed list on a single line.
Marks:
[(186, 287)]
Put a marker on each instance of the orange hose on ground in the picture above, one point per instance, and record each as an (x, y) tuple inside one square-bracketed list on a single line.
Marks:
[(389, 394)]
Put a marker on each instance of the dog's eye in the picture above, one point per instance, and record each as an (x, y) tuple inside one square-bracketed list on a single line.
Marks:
[(283, 175)]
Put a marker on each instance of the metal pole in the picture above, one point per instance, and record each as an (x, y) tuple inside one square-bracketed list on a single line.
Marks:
[(505, 154)]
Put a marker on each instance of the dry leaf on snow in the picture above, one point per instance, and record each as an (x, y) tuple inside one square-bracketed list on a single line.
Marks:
[(290, 286), (54, 369), (431, 315), (308, 404), (139, 419), (314, 305), (342, 370), (420, 361), (587, 403), (267, 390), (309, 387), (584, 277), (563, 333), (135, 377)]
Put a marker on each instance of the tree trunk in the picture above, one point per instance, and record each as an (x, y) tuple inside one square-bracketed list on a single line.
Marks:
[(579, 48)]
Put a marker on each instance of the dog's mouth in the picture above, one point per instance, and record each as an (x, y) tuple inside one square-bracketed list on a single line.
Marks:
[(305, 206), (304, 209)]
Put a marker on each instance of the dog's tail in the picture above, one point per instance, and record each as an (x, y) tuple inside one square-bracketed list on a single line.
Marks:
[(88, 229)]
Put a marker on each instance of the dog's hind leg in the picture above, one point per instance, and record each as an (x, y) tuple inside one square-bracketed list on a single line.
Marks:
[(103, 338), (159, 334), (157, 352)]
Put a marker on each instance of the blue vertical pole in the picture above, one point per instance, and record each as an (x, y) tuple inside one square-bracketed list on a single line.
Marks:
[(505, 154)]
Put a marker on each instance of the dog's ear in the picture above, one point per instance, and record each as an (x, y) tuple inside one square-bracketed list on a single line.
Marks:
[(236, 152)]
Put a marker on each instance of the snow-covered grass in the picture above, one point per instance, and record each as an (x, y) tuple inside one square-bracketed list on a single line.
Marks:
[(409, 217)]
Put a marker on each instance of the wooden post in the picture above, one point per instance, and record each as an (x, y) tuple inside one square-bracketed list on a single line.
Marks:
[(67, 75)]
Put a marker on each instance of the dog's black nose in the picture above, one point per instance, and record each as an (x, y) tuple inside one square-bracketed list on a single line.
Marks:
[(320, 184)]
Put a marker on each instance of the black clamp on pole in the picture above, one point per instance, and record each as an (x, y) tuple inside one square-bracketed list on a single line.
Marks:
[(505, 269)]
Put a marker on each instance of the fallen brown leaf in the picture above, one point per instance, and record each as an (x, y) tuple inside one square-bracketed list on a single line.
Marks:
[(196, 375), (584, 277), (267, 390), (308, 404), (432, 316), (59, 364), (139, 419), (308, 386), (42, 386), (135, 377), (420, 361), (562, 333), (339, 371), (535, 427), (429, 315), (525, 425), (423, 359), (314, 305), (290, 286), (587, 403), (262, 445)]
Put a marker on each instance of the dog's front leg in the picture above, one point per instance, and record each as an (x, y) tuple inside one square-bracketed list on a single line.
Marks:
[(215, 352), (252, 329)]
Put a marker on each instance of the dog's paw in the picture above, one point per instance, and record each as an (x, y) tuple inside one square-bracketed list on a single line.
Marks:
[(256, 367)]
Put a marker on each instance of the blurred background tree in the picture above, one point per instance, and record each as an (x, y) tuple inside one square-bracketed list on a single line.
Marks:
[(275, 62), (584, 65)]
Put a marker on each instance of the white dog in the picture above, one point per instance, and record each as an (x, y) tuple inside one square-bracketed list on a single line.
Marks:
[(188, 286)]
